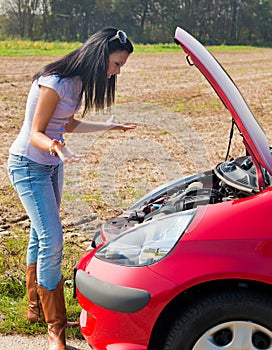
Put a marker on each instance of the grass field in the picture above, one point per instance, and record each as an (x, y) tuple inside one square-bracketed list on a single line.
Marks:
[(13, 48)]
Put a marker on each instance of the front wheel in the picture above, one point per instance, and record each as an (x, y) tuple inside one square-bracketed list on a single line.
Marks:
[(229, 320)]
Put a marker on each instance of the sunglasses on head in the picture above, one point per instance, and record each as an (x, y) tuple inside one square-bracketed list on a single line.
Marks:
[(121, 36)]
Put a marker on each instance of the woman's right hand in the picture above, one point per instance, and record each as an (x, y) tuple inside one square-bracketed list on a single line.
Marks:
[(67, 155)]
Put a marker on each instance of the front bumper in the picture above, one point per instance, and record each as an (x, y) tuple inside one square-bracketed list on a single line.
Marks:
[(117, 316), (110, 296)]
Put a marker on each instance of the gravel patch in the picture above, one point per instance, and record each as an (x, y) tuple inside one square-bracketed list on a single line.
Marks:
[(17, 342)]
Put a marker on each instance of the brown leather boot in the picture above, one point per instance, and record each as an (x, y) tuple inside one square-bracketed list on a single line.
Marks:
[(55, 315), (34, 310)]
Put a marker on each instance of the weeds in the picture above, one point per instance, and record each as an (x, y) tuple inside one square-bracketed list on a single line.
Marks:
[(13, 301)]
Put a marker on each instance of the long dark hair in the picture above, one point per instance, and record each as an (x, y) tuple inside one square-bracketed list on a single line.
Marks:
[(90, 63)]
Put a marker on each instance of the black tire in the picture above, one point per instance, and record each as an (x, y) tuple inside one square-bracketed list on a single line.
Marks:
[(228, 320)]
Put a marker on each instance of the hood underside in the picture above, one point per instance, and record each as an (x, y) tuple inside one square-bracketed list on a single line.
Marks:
[(255, 139)]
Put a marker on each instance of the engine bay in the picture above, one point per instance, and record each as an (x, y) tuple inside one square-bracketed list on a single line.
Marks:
[(228, 181)]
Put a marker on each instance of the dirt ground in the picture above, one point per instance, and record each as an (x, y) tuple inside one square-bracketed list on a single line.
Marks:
[(182, 128)]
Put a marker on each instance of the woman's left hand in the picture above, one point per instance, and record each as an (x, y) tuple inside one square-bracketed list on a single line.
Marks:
[(124, 127), (117, 126)]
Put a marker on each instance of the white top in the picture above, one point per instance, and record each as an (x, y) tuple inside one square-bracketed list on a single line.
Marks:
[(68, 90)]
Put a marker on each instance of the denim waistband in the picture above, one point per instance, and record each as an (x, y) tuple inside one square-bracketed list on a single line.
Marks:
[(19, 157)]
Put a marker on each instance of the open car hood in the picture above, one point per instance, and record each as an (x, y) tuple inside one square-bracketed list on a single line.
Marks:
[(254, 138)]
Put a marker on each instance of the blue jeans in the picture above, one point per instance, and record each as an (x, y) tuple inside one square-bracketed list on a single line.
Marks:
[(39, 188)]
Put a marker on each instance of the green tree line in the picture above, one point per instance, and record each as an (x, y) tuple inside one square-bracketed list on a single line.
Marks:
[(247, 22)]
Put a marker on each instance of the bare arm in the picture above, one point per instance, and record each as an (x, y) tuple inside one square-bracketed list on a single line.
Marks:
[(81, 126), (45, 109)]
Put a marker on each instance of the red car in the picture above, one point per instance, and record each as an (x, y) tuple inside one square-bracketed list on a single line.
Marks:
[(189, 266)]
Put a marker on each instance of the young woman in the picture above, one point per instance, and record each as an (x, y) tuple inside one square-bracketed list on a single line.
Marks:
[(37, 155)]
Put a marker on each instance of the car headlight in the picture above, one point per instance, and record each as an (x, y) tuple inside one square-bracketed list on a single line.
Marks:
[(148, 242)]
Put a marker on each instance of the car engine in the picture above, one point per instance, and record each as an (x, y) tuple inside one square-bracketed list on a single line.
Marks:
[(228, 181)]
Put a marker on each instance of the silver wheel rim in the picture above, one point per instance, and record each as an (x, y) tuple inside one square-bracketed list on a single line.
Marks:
[(235, 335)]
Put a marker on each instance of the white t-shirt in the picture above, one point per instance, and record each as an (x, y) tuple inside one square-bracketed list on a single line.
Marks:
[(68, 90)]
